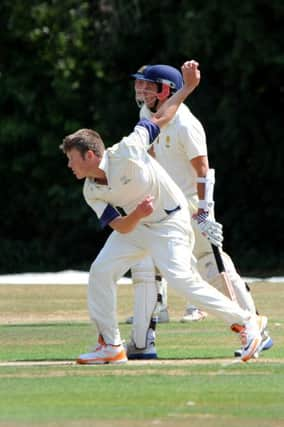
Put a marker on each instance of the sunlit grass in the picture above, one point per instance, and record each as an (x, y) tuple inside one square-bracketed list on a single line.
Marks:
[(196, 382)]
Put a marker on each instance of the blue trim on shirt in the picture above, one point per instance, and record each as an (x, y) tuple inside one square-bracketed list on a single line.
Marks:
[(169, 212), (152, 128), (109, 214)]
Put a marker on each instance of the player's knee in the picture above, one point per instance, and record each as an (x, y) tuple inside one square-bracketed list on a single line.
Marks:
[(207, 267), (144, 278), (143, 272), (99, 271)]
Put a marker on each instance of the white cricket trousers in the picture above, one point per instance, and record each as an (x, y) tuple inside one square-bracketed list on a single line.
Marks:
[(169, 244)]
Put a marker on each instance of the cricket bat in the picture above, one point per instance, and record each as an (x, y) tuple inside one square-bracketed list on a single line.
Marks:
[(222, 282)]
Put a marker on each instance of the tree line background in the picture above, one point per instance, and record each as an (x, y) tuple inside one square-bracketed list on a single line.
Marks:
[(65, 64)]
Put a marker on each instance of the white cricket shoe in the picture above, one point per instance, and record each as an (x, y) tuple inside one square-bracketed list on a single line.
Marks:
[(193, 314), (103, 354), (147, 353), (266, 340), (251, 337), (266, 344)]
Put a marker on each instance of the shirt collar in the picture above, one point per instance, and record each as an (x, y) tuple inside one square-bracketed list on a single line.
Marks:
[(104, 163)]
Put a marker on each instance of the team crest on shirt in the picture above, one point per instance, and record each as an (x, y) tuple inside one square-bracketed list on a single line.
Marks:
[(124, 180), (168, 141)]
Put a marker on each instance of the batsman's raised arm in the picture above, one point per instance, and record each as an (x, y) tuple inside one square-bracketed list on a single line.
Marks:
[(191, 76)]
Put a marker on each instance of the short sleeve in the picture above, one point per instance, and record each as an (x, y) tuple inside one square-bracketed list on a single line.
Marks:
[(104, 211), (152, 128), (108, 215)]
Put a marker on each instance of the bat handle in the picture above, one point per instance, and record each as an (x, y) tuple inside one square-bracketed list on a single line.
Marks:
[(218, 258)]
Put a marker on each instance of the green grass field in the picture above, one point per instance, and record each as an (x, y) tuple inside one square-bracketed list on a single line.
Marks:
[(196, 382)]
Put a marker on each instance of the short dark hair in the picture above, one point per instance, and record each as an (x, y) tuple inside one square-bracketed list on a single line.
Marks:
[(84, 140)]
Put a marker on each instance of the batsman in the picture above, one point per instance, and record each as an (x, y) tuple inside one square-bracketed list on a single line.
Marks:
[(181, 149)]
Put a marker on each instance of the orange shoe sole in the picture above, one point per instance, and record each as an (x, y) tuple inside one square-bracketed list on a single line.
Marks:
[(118, 359)]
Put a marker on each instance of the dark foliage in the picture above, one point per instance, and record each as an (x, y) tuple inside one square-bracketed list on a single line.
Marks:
[(66, 64)]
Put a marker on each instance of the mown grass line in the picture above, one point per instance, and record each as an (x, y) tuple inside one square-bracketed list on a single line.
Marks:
[(207, 392)]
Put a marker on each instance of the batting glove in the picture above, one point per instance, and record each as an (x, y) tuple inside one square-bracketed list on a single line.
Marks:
[(212, 230)]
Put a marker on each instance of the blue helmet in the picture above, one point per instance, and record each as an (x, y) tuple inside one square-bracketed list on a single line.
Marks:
[(140, 71), (164, 74)]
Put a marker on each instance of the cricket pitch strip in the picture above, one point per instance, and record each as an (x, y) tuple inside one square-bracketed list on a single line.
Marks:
[(156, 362)]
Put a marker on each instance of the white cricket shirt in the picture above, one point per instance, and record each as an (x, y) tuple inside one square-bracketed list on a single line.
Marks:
[(132, 175), (180, 141)]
